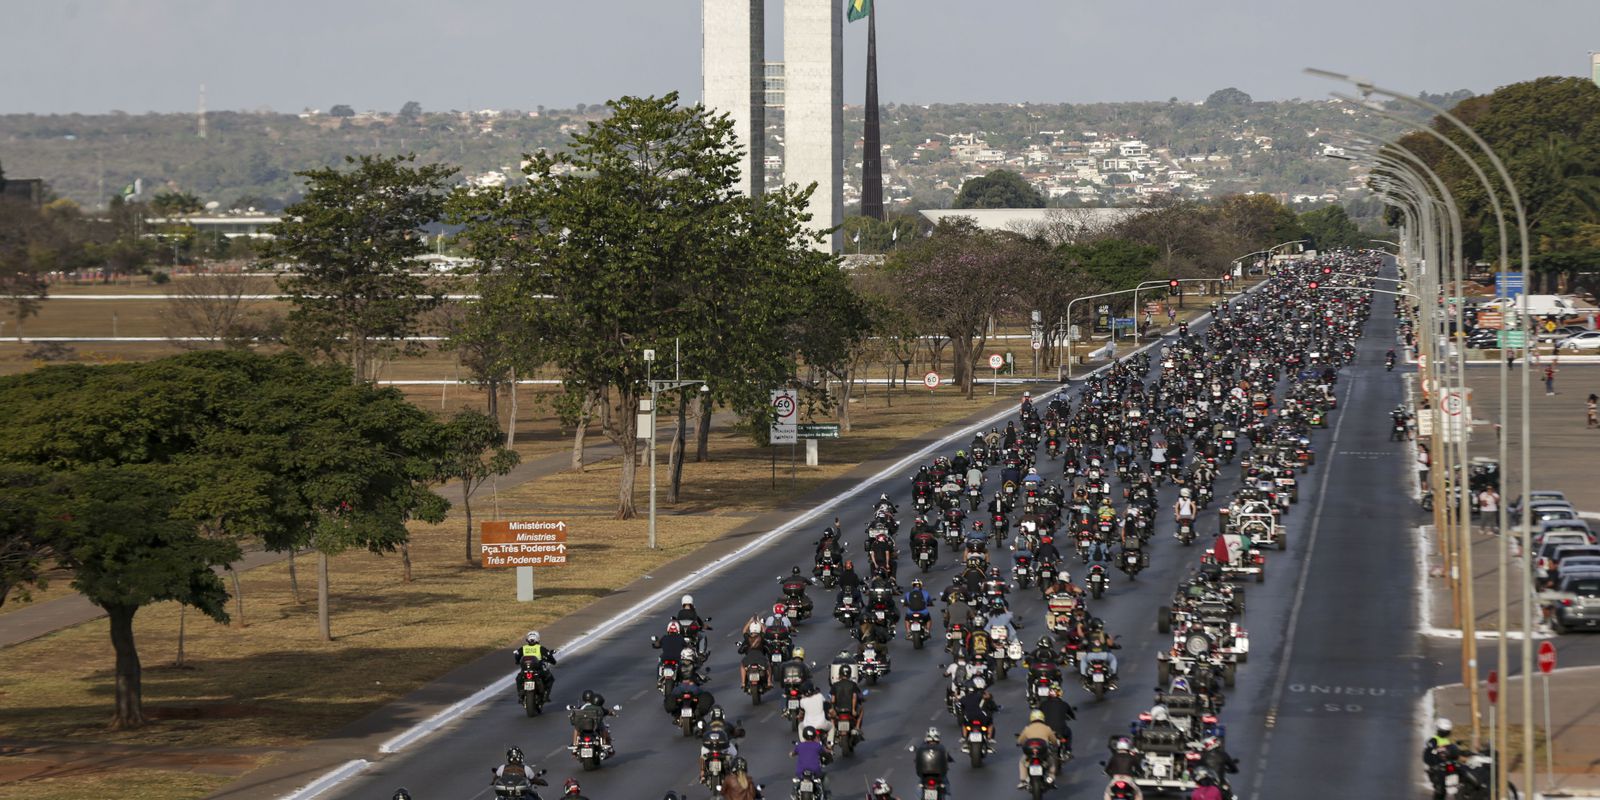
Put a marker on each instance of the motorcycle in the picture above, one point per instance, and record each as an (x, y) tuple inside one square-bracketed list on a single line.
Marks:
[(797, 607), (847, 612), (715, 764), (1097, 679), (917, 622), (1131, 562), (791, 705), (1097, 580), (1186, 531), (874, 663), (532, 694), (1022, 570), (591, 749), (845, 734), (925, 552), (826, 570), (1036, 760), (974, 497), (977, 740), (756, 682), (809, 786), (685, 715)]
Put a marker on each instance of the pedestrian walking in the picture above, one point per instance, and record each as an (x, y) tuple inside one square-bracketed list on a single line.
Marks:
[(1422, 465), (1594, 422), (1549, 379)]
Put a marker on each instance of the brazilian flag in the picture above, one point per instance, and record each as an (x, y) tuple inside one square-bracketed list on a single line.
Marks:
[(858, 9)]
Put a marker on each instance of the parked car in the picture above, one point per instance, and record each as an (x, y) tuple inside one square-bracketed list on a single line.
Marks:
[(1588, 340), (1577, 602), (1563, 332), (1536, 495), (1483, 339), (1563, 552), (1576, 526)]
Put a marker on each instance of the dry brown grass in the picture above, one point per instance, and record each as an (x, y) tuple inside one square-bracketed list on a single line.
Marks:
[(32, 779), (273, 682)]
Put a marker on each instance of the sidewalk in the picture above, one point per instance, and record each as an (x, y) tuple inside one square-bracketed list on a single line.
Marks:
[(1574, 727), (26, 624)]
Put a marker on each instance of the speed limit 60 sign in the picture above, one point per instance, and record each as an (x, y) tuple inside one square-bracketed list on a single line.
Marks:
[(785, 414)]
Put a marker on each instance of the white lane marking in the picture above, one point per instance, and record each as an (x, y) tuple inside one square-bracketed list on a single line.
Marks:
[(1300, 594), (344, 772)]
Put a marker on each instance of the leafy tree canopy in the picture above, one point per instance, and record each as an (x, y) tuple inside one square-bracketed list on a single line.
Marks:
[(999, 189)]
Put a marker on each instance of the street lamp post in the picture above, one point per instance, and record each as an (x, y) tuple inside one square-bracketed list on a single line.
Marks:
[(656, 388)]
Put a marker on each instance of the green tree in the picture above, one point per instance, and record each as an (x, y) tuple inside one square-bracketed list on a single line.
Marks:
[(26, 504), (351, 241), (999, 189), (1330, 228), (1230, 96), (411, 111), (341, 110), (639, 229), (175, 204), (961, 278), (127, 549), (471, 456)]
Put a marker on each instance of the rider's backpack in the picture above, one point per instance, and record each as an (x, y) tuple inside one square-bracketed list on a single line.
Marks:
[(587, 719), (916, 601)]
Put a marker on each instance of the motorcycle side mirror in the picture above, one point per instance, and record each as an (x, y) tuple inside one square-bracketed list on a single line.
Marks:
[(569, 707), (655, 640), (540, 773), (616, 708)]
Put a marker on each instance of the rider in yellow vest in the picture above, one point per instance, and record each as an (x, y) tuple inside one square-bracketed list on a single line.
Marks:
[(541, 655)]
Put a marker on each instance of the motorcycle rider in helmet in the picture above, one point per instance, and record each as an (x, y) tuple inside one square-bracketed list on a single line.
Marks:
[(810, 754), (719, 733), (737, 785), (672, 643), (541, 655), (1217, 760), (1123, 761), (571, 790), (881, 790), (1438, 750), (930, 760), (1037, 729), (593, 711), (794, 585), (1097, 646), (1057, 712), (514, 766)]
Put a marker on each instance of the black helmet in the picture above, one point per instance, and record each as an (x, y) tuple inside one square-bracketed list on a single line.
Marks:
[(1096, 624), (514, 755), (716, 712), (810, 734), (588, 696), (795, 571), (401, 794), (740, 765)]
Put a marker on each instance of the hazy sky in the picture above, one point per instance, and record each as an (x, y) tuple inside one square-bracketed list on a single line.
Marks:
[(144, 55)]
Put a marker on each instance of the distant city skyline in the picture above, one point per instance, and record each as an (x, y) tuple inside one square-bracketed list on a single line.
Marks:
[(93, 56)]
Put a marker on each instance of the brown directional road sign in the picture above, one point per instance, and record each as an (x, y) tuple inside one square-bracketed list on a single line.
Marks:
[(524, 543)]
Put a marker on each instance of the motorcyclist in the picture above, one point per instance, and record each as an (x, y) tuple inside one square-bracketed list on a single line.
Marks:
[(978, 705), (917, 602), (958, 610), (1438, 750), (672, 643), (848, 579), (847, 698), (930, 760), (737, 785), (778, 620), (794, 672), (719, 735), (1057, 712), (540, 655), (1217, 760), (1037, 729), (590, 717), (1184, 510), (401, 794), (1123, 760), (689, 617), (794, 587), (754, 654), (881, 790), (704, 700), (1097, 646), (514, 766), (1206, 787), (810, 754)]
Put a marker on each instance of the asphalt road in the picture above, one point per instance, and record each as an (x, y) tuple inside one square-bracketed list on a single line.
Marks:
[(1324, 707)]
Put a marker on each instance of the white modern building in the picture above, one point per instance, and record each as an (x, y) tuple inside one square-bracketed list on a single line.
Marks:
[(810, 90)]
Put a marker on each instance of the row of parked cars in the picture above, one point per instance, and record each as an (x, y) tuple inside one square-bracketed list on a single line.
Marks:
[(1565, 563)]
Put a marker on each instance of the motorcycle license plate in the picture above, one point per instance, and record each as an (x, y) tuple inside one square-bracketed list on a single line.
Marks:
[(930, 794), (975, 736), (1099, 678), (916, 626), (1452, 780), (807, 786), (844, 727), (527, 686), (686, 712), (793, 704), (870, 654), (716, 768), (586, 752), (777, 658), (668, 672), (1035, 769)]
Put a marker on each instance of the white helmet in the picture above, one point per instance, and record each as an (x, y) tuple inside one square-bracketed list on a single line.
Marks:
[(1443, 725), (533, 637), (1184, 492), (1158, 713), (687, 600)]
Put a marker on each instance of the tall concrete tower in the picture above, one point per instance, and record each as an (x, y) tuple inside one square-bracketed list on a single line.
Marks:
[(813, 106), (732, 66)]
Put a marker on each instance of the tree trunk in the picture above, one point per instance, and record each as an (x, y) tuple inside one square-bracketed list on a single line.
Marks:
[(322, 597), (888, 386), (702, 433), (627, 438), (511, 419), (675, 453), (846, 384), (961, 366), (238, 598), (130, 692), (466, 505), (183, 613), (294, 578), (491, 390), (584, 415), (405, 560)]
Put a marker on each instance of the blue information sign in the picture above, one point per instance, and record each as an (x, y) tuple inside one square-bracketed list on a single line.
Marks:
[(1508, 284)]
